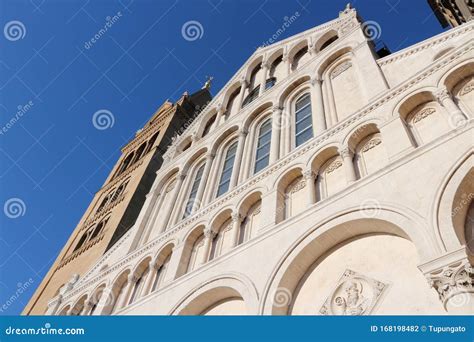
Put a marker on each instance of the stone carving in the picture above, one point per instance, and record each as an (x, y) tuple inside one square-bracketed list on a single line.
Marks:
[(170, 186), (371, 144), (468, 87), (298, 186), (334, 166), (452, 279), (340, 69), (354, 295), (423, 114)]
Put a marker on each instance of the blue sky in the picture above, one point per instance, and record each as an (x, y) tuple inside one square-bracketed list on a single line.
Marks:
[(53, 159)]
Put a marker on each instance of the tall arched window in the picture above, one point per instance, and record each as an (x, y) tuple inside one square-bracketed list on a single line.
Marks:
[(208, 126), (191, 204), (303, 120), (262, 153), (151, 142), (226, 174)]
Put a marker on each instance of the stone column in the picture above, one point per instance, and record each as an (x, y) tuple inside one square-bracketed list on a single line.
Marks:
[(238, 159), (204, 179), (263, 79), (236, 220), (243, 87), (53, 305), (277, 122), (88, 305), (453, 282), (132, 279), (317, 106), (219, 115), (347, 158), (172, 214), (152, 268), (287, 61), (310, 177), (456, 118), (209, 235), (105, 303)]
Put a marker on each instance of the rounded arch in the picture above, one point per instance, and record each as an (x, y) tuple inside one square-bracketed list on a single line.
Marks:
[(194, 159), (167, 176), (185, 144), (452, 203), (297, 47), (283, 95), (234, 88), (142, 265), (287, 176), (330, 57), (456, 74), (205, 121), (78, 306), (362, 130), (64, 310), (224, 138), (412, 100), (226, 286), (248, 200), (256, 114), (223, 215), (164, 251), (342, 227), (274, 55), (322, 155), (325, 40)]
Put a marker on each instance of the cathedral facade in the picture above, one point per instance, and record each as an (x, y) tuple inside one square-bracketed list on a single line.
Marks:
[(323, 179)]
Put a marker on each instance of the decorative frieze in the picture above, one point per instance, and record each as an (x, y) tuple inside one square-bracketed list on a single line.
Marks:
[(334, 166), (422, 114), (468, 87), (340, 69), (371, 144)]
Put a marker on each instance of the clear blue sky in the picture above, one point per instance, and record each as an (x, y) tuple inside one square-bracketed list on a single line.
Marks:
[(53, 159)]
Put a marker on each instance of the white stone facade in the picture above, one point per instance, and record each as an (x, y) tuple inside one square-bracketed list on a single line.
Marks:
[(369, 214)]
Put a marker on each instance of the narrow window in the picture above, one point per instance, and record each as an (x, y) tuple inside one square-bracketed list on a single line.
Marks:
[(192, 200), (303, 121), (227, 170), (262, 153)]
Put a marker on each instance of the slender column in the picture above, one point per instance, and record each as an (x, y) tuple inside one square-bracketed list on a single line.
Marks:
[(317, 106), (219, 115), (152, 268), (243, 87), (86, 310), (172, 214), (276, 133), (456, 117), (247, 155), (332, 104), (287, 61), (132, 279), (204, 180), (310, 176), (347, 157), (236, 220), (238, 159), (105, 302), (263, 79), (209, 235), (211, 183)]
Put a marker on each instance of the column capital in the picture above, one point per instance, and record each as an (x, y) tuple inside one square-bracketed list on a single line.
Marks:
[(265, 64), (316, 80), (236, 217), (442, 94), (455, 278), (181, 175), (210, 156), (209, 233), (309, 174), (346, 152), (276, 108), (243, 82), (132, 278), (243, 132)]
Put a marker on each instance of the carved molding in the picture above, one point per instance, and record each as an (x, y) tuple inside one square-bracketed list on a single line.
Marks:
[(422, 114), (334, 166), (468, 87), (371, 144), (340, 69)]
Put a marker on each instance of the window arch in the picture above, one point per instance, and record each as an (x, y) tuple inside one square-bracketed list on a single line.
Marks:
[(227, 167), (250, 223), (126, 163), (303, 119), (151, 142), (138, 286), (140, 152), (209, 125), (81, 242), (370, 155), (197, 253), (192, 203), (262, 150), (119, 191), (160, 273), (328, 42), (300, 58)]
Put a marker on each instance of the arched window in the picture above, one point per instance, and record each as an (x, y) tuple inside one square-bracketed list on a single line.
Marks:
[(197, 254), (126, 163), (262, 153), (119, 191), (138, 286), (209, 124), (120, 294), (251, 96), (300, 58), (303, 120), (192, 203), (140, 152), (105, 201), (226, 174), (151, 142), (328, 42), (98, 229), (81, 241)]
